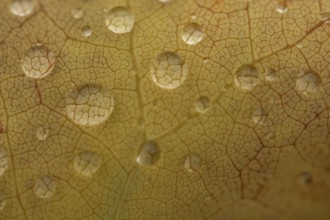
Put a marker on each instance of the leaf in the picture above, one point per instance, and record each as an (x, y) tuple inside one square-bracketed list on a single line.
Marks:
[(204, 109)]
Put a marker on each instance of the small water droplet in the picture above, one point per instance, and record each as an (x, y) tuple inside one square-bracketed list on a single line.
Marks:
[(305, 178), (86, 163), (22, 7), (192, 163), (77, 13), (149, 154), (260, 117), (247, 77), (86, 31), (38, 62), (282, 8), (192, 33), (119, 20), (45, 187), (42, 133), (325, 16), (168, 70), (164, 1), (309, 83), (4, 163), (89, 105), (271, 75), (202, 104)]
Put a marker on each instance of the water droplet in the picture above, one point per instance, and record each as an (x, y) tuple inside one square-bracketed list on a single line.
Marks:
[(325, 16), (271, 75), (202, 104), (149, 154), (22, 7), (119, 20), (168, 70), (305, 178), (42, 133), (164, 1), (89, 105), (4, 163), (192, 163), (247, 77), (86, 163), (77, 13), (192, 33), (86, 31), (38, 62), (260, 117), (45, 187), (282, 8), (309, 83)]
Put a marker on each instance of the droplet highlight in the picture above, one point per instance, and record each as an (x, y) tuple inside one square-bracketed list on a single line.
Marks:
[(89, 105), (247, 77), (86, 163), (77, 13), (309, 83), (4, 161), (22, 8), (168, 70), (45, 187), (86, 31), (149, 154), (42, 133), (192, 163), (192, 33), (202, 104), (38, 62), (119, 20)]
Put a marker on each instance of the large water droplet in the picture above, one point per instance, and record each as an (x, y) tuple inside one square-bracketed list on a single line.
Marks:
[(202, 104), (86, 31), (282, 8), (309, 83), (77, 13), (42, 133), (192, 163), (45, 187), (4, 162), (89, 105), (260, 117), (149, 154), (247, 77), (168, 70), (119, 20), (192, 33), (86, 163), (22, 7), (38, 62)]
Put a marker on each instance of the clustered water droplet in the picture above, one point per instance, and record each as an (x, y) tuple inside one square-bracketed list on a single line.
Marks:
[(86, 163), (38, 62), (4, 163), (149, 154), (86, 31), (192, 163), (247, 77), (22, 8), (192, 33), (89, 105), (120, 20), (309, 83), (168, 70), (45, 187)]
